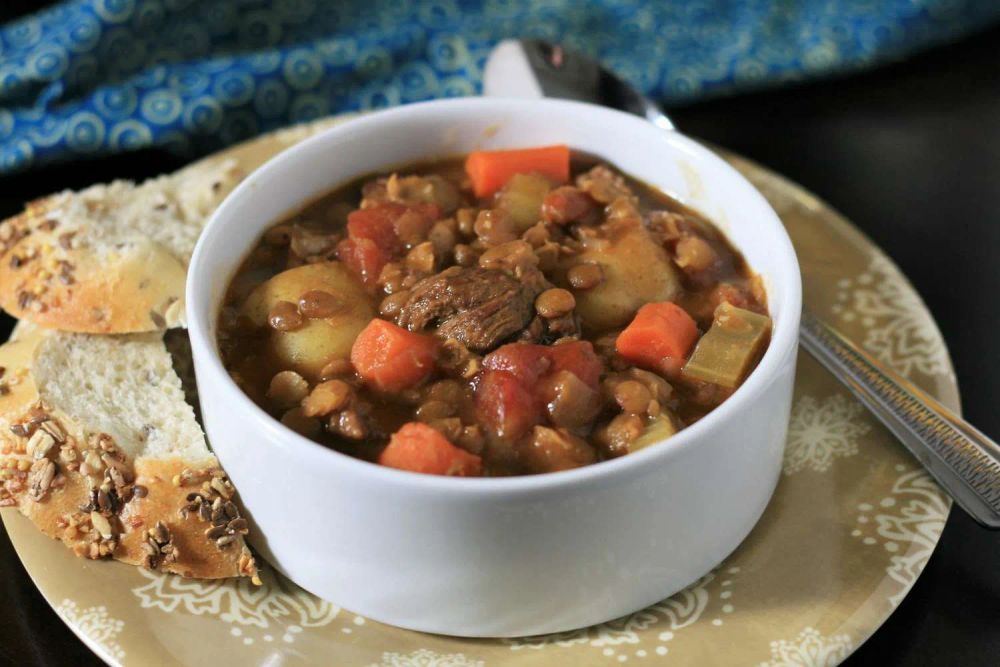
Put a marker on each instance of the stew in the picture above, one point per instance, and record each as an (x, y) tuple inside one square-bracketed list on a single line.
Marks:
[(513, 312)]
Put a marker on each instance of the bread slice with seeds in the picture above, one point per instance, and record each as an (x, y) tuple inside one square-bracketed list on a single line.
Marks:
[(111, 258), (100, 450)]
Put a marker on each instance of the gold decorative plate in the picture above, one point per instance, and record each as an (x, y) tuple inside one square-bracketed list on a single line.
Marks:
[(851, 525)]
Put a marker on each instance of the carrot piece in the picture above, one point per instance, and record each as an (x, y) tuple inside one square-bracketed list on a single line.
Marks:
[(490, 170), (391, 358), (419, 448), (658, 331)]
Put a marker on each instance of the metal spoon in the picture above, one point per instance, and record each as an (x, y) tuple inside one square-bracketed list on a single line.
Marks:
[(963, 460)]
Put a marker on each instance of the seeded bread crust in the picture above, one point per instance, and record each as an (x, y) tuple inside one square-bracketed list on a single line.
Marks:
[(83, 264), (77, 486), (111, 258)]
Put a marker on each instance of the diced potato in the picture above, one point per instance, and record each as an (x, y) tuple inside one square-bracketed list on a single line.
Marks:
[(290, 285), (309, 348), (658, 430), (318, 342), (522, 199), (726, 352), (636, 271)]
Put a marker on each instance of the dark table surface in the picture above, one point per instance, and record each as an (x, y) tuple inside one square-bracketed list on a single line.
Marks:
[(911, 154)]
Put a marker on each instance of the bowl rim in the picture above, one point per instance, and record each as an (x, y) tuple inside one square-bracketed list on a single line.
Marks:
[(784, 336)]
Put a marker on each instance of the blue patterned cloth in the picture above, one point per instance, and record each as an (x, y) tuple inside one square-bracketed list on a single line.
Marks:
[(91, 77)]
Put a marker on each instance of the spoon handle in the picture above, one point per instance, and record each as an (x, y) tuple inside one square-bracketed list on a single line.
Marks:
[(963, 460)]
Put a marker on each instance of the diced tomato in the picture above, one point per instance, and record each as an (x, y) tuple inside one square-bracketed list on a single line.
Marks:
[(364, 258), (510, 395), (578, 358), (505, 404), (373, 238), (567, 204), (390, 358), (376, 223), (525, 361)]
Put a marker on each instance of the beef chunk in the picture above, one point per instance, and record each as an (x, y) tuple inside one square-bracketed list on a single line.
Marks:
[(479, 307)]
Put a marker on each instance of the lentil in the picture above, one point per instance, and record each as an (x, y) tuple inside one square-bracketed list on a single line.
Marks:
[(632, 396), (618, 434), (298, 422), (694, 254), (465, 255), (433, 410), (348, 424), (554, 302), (336, 368), (318, 304), (493, 227), (325, 398), (285, 316), (392, 304), (421, 258), (585, 276), (287, 388)]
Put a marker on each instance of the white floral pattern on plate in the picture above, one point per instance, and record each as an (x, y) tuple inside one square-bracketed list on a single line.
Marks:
[(809, 649), (96, 625), (899, 330), (426, 658), (907, 523), (659, 622), (278, 610), (822, 430)]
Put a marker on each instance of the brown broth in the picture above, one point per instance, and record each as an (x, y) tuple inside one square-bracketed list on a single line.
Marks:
[(249, 354)]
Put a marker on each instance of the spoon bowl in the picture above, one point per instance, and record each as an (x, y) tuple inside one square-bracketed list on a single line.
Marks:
[(963, 460)]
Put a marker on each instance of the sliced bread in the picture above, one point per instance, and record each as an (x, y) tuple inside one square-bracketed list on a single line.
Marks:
[(99, 448), (111, 258)]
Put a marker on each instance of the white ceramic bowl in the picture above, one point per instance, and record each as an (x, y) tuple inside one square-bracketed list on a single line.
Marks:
[(504, 556)]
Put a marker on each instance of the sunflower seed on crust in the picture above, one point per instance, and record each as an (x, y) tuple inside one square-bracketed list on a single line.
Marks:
[(101, 524), (40, 478), (238, 526), (160, 533), (215, 532), (55, 430), (40, 444), (225, 541), (103, 501), (224, 489)]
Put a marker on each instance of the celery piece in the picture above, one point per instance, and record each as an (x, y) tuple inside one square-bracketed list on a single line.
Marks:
[(657, 431), (725, 353)]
